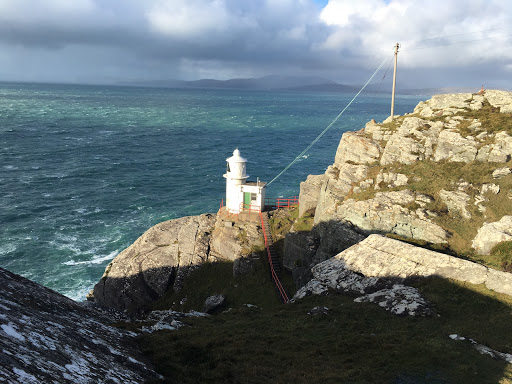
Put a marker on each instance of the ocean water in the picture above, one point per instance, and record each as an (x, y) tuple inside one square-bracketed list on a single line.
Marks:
[(85, 170)]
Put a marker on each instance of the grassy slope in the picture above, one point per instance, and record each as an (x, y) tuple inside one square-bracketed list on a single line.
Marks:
[(354, 343)]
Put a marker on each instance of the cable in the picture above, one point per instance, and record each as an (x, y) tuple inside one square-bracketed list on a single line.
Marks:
[(329, 126), (458, 42), (460, 34)]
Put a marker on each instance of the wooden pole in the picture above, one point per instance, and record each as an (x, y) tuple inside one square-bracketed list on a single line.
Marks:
[(394, 82)]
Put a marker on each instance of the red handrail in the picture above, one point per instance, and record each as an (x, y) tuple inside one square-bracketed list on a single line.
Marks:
[(277, 282), (282, 202)]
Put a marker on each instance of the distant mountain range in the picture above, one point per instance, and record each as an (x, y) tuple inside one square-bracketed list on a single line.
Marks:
[(290, 83)]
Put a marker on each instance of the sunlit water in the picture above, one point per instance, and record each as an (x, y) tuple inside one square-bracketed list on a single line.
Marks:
[(85, 170)]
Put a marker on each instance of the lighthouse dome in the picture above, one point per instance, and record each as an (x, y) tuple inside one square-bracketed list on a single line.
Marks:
[(236, 158), (236, 166)]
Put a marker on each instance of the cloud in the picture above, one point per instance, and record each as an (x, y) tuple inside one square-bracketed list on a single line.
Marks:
[(102, 40), (371, 27)]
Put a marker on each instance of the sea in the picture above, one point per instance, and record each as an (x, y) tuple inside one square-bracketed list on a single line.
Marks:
[(85, 170)]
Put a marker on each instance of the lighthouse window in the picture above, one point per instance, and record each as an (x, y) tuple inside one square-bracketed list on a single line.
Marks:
[(227, 167), (254, 196)]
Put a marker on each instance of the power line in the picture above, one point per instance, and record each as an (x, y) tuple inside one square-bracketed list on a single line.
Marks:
[(329, 126), (457, 42), (458, 35)]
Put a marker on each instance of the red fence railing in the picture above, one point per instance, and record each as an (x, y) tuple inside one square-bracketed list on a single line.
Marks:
[(281, 202), (277, 282), (270, 203)]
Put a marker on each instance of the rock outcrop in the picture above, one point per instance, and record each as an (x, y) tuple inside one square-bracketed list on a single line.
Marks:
[(379, 256), (370, 188), (375, 268), (48, 338), (165, 254), (491, 234), (155, 262)]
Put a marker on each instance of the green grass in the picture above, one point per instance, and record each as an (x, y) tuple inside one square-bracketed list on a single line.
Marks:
[(429, 177), (354, 343), (217, 278)]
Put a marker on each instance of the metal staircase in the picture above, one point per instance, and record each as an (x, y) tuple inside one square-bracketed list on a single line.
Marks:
[(273, 258)]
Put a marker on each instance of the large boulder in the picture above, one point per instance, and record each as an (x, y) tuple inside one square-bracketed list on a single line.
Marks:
[(48, 338), (491, 234), (379, 256), (154, 263)]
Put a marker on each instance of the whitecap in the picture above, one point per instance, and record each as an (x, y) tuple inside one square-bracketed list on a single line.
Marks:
[(96, 260), (7, 248)]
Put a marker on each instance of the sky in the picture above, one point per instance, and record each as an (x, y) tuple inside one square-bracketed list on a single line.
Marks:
[(444, 43)]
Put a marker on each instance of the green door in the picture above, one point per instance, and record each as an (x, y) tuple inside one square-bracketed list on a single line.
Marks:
[(247, 200)]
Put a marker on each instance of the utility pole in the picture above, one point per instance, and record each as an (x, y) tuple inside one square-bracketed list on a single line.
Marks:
[(394, 82)]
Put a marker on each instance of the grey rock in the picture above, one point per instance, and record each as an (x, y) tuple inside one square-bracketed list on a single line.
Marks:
[(319, 311), (309, 193), (483, 349), (500, 99), (168, 320), (491, 234), (400, 300), (156, 261), (48, 338), (386, 212), (456, 201), (313, 287), (379, 256), (501, 172), (390, 179), (452, 146), (303, 250), (243, 266), (490, 188), (335, 274), (213, 303), (498, 152), (355, 148)]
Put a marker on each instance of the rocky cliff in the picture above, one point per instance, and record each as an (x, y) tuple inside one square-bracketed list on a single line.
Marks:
[(164, 255), (48, 338), (439, 175)]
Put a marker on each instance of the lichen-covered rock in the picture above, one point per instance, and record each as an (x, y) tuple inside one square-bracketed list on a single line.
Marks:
[(453, 147), (491, 234), (154, 262), (500, 99), (335, 275), (309, 193), (456, 201), (387, 212), (356, 149), (379, 256), (400, 300), (48, 338)]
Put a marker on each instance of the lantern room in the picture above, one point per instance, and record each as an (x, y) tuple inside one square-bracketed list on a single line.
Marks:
[(241, 194)]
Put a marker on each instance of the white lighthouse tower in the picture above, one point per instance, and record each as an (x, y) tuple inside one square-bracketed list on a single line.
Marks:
[(242, 195)]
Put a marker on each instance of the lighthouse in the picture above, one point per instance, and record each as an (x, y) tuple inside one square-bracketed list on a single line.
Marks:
[(242, 195)]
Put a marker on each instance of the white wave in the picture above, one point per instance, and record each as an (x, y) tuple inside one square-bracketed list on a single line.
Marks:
[(7, 248), (95, 260)]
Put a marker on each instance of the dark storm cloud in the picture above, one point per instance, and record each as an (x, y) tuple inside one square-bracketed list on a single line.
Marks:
[(111, 40)]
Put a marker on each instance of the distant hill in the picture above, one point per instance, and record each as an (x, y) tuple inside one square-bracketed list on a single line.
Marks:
[(261, 83), (291, 83)]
